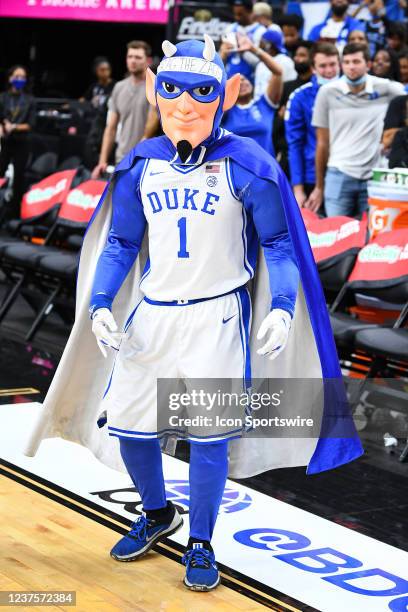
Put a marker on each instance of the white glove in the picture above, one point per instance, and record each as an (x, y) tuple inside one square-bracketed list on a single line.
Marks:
[(278, 322), (102, 324)]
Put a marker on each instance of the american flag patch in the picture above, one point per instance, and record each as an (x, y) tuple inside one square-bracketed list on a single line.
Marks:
[(213, 168)]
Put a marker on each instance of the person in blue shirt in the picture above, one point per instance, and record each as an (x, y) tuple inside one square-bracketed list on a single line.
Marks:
[(254, 118), (236, 61), (300, 134), (337, 26)]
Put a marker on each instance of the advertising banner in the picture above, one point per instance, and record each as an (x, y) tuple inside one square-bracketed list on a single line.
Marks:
[(133, 11)]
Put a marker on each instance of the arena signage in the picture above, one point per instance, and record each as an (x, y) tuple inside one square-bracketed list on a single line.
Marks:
[(210, 18), (145, 11)]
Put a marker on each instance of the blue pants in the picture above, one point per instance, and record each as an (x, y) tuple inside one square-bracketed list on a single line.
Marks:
[(344, 194), (207, 475)]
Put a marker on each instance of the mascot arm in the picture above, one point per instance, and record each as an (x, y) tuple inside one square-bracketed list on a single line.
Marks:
[(124, 239), (263, 201)]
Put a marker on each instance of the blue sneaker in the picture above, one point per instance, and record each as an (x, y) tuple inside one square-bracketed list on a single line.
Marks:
[(201, 569), (143, 535)]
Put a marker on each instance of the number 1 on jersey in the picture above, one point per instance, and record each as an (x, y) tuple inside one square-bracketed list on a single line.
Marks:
[(182, 225)]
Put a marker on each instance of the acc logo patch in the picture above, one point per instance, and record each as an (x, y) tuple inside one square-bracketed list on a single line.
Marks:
[(212, 181), (233, 500)]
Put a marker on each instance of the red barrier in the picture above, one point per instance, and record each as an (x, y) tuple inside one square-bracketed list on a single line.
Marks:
[(383, 258), (46, 194), (80, 202), (335, 235)]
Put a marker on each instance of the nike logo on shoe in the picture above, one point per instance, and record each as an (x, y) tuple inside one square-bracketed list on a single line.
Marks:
[(229, 319)]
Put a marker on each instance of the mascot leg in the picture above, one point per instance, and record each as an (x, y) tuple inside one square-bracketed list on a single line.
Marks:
[(208, 474), (160, 519), (143, 461)]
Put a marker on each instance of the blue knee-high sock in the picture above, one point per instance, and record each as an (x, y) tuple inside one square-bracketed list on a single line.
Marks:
[(143, 461), (208, 474)]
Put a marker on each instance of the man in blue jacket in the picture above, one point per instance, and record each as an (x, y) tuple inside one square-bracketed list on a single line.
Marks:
[(337, 26), (300, 134)]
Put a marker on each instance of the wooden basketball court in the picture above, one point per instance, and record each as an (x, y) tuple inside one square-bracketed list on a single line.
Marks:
[(52, 542)]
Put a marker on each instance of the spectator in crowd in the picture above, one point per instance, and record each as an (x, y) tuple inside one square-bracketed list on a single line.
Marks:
[(348, 115), (97, 96), (376, 27), (129, 108), (272, 43), (303, 66), (99, 91), (395, 9), (397, 37), (403, 66), (262, 13), (17, 119), (395, 120), (244, 25), (254, 117), (358, 37), (300, 134), (386, 65), (337, 27), (291, 25)]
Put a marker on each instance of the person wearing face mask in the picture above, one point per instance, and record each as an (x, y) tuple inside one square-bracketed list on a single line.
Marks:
[(303, 66), (17, 118), (300, 134), (348, 116), (338, 25)]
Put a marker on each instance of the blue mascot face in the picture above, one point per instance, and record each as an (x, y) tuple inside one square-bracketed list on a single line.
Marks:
[(191, 91)]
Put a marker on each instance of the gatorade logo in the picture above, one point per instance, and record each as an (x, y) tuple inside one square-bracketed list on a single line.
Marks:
[(379, 220), (37, 194)]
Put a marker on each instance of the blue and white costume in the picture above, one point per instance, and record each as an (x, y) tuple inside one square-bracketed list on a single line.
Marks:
[(204, 224), (251, 197)]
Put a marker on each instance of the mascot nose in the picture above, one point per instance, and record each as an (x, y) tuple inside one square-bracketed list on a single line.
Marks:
[(185, 103)]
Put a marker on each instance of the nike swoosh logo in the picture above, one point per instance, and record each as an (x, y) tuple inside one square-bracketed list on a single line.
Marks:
[(154, 173), (229, 319)]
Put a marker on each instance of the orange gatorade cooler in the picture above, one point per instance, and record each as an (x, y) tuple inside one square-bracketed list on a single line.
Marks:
[(387, 200)]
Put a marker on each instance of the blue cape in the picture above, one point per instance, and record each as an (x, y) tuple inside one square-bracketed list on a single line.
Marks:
[(339, 442)]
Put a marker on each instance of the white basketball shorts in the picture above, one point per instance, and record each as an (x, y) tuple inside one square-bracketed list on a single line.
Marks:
[(205, 340)]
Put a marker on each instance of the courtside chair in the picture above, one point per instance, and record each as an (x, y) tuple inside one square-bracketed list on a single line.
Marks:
[(379, 279), (56, 271), (39, 209)]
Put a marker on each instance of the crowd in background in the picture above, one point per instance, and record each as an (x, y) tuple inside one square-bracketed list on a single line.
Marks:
[(330, 107)]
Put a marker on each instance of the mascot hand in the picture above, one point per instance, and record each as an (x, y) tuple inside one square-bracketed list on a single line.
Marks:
[(278, 324), (102, 324)]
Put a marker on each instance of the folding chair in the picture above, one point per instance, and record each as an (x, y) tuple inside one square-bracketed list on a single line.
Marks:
[(56, 270)]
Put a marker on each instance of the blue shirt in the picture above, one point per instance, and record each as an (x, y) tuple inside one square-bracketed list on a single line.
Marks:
[(253, 120), (350, 24), (300, 134), (236, 62)]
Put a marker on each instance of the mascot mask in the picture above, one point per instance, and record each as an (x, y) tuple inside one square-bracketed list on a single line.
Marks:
[(191, 92)]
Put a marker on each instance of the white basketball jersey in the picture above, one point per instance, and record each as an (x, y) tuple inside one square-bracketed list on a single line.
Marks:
[(197, 231)]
